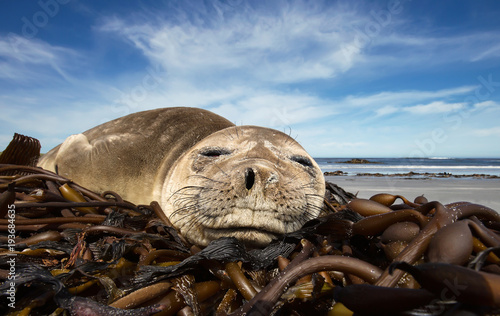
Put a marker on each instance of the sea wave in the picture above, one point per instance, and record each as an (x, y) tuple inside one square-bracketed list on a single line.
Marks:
[(455, 166), (356, 166)]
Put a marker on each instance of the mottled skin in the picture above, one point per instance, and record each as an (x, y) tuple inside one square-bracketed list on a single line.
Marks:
[(212, 178), (132, 154)]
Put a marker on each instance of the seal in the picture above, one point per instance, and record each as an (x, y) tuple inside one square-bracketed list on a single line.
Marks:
[(212, 178)]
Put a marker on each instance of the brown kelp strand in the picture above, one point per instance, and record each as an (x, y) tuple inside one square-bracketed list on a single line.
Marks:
[(451, 244), (141, 296), (374, 225), (441, 217), (240, 281), (368, 207), (72, 195), (389, 199), (78, 205), (45, 236), (267, 298), (7, 198), (369, 299), (456, 282), (79, 251), (487, 236), (22, 150)]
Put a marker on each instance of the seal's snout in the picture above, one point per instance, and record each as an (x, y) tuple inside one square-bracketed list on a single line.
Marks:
[(259, 176)]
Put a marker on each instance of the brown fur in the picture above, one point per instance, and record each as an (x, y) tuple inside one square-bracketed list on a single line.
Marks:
[(197, 165)]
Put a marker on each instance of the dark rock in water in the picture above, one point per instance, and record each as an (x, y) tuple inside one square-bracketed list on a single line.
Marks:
[(359, 161), (378, 174), (335, 173)]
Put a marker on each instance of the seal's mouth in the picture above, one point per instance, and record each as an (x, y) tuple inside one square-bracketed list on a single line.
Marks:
[(249, 220), (254, 226), (250, 236), (242, 230)]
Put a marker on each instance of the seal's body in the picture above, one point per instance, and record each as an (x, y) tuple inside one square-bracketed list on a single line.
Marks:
[(212, 178)]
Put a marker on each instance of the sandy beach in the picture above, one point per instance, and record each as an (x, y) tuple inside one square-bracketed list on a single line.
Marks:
[(481, 191)]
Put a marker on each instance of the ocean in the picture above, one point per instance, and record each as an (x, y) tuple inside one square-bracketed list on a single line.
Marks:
[(454, 166)]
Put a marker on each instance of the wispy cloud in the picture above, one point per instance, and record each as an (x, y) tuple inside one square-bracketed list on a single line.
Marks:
[(277, 110), (428, 50), (415, 102), (386, 110), (434, 107), (400, 98), (298, 42), (491, 52), (487, 104), (27, 60), (486, 132)]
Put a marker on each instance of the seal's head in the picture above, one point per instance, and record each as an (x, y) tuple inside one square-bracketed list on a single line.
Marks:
[(248, 182)]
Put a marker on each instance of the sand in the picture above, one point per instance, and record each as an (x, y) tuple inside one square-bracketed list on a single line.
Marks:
[(481, 191)]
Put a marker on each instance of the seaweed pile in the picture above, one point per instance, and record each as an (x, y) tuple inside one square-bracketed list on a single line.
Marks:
[(67, 250)]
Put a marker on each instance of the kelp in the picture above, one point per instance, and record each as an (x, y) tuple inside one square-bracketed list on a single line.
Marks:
[(88, 253)]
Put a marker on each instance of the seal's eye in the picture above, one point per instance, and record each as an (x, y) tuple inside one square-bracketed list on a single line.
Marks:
[(306, 162), (214, 152)]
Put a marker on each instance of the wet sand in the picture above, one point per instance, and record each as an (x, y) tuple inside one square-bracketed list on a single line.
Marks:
[(481, 191)]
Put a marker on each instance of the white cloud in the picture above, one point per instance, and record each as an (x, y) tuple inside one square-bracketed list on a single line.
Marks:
[(426, 50), (485, 132), (487, 104), (434, 107), (300, 42), (240, 104), (418, 102), (400, 98), (386, 110), (488, 53), (28, 60), (276, 110)]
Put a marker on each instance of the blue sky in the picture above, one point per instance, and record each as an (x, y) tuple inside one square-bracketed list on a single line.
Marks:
[(345, 78)]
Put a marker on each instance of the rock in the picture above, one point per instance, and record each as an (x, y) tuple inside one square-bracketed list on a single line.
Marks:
[(358, 161), (335, 173)]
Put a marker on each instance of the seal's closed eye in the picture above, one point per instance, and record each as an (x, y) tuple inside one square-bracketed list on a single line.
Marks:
[(306, 162), (215, 152)]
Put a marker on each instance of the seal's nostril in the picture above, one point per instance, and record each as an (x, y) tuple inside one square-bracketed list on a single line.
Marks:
[(272, 179), (249, 178)]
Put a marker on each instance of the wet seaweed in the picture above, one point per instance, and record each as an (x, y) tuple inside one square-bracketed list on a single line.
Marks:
[(105, 256)]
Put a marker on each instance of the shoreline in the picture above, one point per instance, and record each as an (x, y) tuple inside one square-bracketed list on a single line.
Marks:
[(412, 175), (484, 191)]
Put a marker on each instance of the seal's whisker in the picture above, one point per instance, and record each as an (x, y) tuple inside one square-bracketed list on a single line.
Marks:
[(223, 172), (230, 135), (307, 186), (312, 195), (288, 136), (291, 179), (236, 128), (209, 179), (179, 191)]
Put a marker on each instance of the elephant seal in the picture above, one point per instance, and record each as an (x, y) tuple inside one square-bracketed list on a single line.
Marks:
[(212, 178)]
